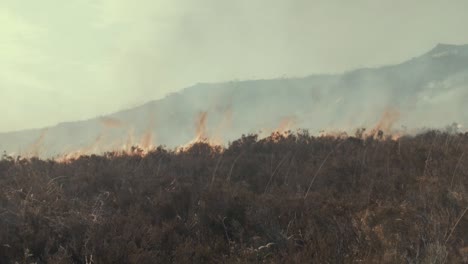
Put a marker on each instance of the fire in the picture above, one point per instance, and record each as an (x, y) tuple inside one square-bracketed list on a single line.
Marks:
[(284, 128), (144, 143), (90, 149), (200, 125), (126, 147), (201, 133), (388, 119), (226, 123), (382, 130), (131, 145), (35, 149), (396, 136), (287, 123), (147, 141), (385, 124)]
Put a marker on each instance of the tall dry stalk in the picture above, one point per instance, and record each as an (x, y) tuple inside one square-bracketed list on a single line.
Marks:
[(320, 167)]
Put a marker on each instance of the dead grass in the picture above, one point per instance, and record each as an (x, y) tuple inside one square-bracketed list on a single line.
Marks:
[(291, 198)]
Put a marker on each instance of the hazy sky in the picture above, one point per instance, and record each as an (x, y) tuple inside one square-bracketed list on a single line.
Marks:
[(76, 59)]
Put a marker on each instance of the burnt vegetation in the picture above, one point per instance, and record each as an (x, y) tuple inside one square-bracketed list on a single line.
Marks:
[(290, 198)]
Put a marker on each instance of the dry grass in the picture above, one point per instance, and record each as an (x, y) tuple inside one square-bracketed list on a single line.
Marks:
[(284, 199)]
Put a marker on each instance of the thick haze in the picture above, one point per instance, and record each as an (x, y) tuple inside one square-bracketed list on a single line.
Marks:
[(70, 60)]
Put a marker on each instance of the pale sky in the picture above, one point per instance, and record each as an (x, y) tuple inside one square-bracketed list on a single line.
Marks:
[(77, 59)]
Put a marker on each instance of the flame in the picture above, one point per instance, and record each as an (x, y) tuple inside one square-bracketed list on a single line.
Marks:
[(396, 136), (92, 148), (226, 123), (382, 130), (201, 133), (200, 125), (385, 124), (146, 141), (98, 144), (141, 147), (35, 149), (286, 124), (388, 119), (127, 146), (284, 129)]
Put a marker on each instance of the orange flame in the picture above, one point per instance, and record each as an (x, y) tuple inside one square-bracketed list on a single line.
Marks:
[(127, 146), (382, 130), (284, 128), (386, 123), (389, 118), (201, 133), (147, 141), (200, 125), (286, 124), (226, 123), (35, 149), (92, 148)]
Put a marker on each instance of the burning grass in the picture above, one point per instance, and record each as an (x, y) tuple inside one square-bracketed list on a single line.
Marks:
[(287, 198)]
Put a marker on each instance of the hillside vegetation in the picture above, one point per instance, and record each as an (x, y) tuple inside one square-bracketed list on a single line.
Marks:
[(288, 198), (429, 90)]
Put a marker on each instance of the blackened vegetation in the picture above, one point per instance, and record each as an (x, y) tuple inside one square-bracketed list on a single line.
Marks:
[(283, 199)]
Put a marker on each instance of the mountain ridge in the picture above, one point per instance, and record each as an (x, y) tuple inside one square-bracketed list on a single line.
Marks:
[(440, 47), (418, 88)]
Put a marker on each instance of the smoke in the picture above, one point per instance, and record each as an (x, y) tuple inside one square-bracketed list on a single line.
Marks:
[(147, 138), (109, 122), (123, 53), (170, 45), (287, 123), (389, 118), (200, 126), (226, 124), (36, 148)]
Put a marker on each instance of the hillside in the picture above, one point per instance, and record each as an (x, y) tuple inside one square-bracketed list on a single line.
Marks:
[(426, 91), (282, 199)]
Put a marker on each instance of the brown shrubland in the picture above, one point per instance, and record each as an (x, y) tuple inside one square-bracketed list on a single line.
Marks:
[(288, 198)]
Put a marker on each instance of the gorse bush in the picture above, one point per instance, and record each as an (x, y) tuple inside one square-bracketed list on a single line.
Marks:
[(284, 199)]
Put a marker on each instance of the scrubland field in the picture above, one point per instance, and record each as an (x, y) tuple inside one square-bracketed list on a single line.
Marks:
[(288, 198)]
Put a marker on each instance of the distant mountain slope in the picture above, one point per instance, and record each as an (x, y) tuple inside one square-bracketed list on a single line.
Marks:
[(428, 91)]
